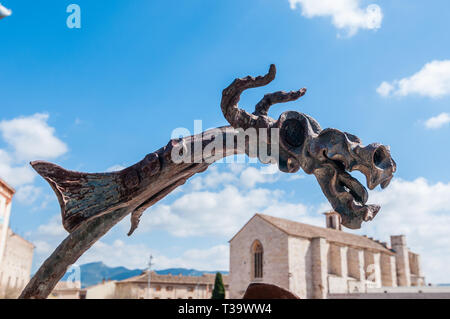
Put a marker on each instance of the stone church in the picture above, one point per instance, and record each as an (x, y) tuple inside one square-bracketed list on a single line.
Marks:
[(317, 262)]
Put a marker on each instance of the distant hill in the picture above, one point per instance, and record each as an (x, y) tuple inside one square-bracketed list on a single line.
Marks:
[(94, 273)]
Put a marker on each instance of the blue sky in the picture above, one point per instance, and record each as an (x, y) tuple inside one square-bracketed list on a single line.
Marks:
[(109, 93)]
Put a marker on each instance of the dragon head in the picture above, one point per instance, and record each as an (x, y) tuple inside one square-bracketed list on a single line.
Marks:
[(329, 154)]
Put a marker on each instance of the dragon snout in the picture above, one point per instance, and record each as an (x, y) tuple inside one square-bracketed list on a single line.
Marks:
[(376, 163)]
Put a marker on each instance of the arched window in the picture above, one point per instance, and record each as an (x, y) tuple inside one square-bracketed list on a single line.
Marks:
[(258, 253)]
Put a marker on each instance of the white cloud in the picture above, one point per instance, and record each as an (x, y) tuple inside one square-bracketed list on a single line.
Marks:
[(136, 256), (15, 175), (4, 12), (32, 138), (214, 258), (438, 121), (219, 203), (421, 211), (115, 168), (201, 213), (295, 177), (43, 247), (346, 15), (28, 138), (53, 228), (385, 89), (46, 238), (252, 176), (237, 174), (433, 80), (213, 179), (28, 194), (119, 253)]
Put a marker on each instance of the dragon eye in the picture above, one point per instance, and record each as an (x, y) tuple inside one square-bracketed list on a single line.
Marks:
[(381, 158), (293, 132)]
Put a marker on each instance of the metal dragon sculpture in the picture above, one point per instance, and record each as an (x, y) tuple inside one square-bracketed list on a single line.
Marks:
[(91, 204)]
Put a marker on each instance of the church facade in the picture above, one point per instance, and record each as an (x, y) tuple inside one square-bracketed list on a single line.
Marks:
[(316, 262)]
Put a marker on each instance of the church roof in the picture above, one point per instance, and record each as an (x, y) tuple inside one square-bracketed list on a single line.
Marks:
[(331, 235)]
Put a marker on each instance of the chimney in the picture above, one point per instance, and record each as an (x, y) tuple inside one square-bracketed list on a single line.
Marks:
[(333, 220)]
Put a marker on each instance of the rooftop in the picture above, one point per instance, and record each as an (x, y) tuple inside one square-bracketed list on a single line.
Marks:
[(171, 279), (297, 229), (67, 285), (6, 189), (13, 236)]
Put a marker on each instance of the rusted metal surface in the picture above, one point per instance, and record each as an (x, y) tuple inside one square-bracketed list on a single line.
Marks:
[(91, 204)]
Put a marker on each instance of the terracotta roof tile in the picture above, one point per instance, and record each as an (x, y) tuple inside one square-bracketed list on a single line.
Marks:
[(174, 279), (332, 235)]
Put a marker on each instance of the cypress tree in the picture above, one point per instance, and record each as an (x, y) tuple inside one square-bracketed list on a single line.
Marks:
[(219, 288)]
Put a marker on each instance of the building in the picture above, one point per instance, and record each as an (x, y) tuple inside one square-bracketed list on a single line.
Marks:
[(104, 290), (168, 287), (161, 287), (73, 290), (67, 290), (317, 262), (16, 253)]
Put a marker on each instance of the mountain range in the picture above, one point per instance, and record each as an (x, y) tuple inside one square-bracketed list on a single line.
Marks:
[(94, 273)]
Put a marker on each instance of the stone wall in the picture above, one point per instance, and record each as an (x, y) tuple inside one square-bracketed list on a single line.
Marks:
[(319, 251), (337, 284), (388, 271), (300, 265), (104, 290), (372, 268), (355, 263), (275, 257)]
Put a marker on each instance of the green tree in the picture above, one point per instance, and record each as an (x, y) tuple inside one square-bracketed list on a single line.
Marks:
[(219, 288)]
